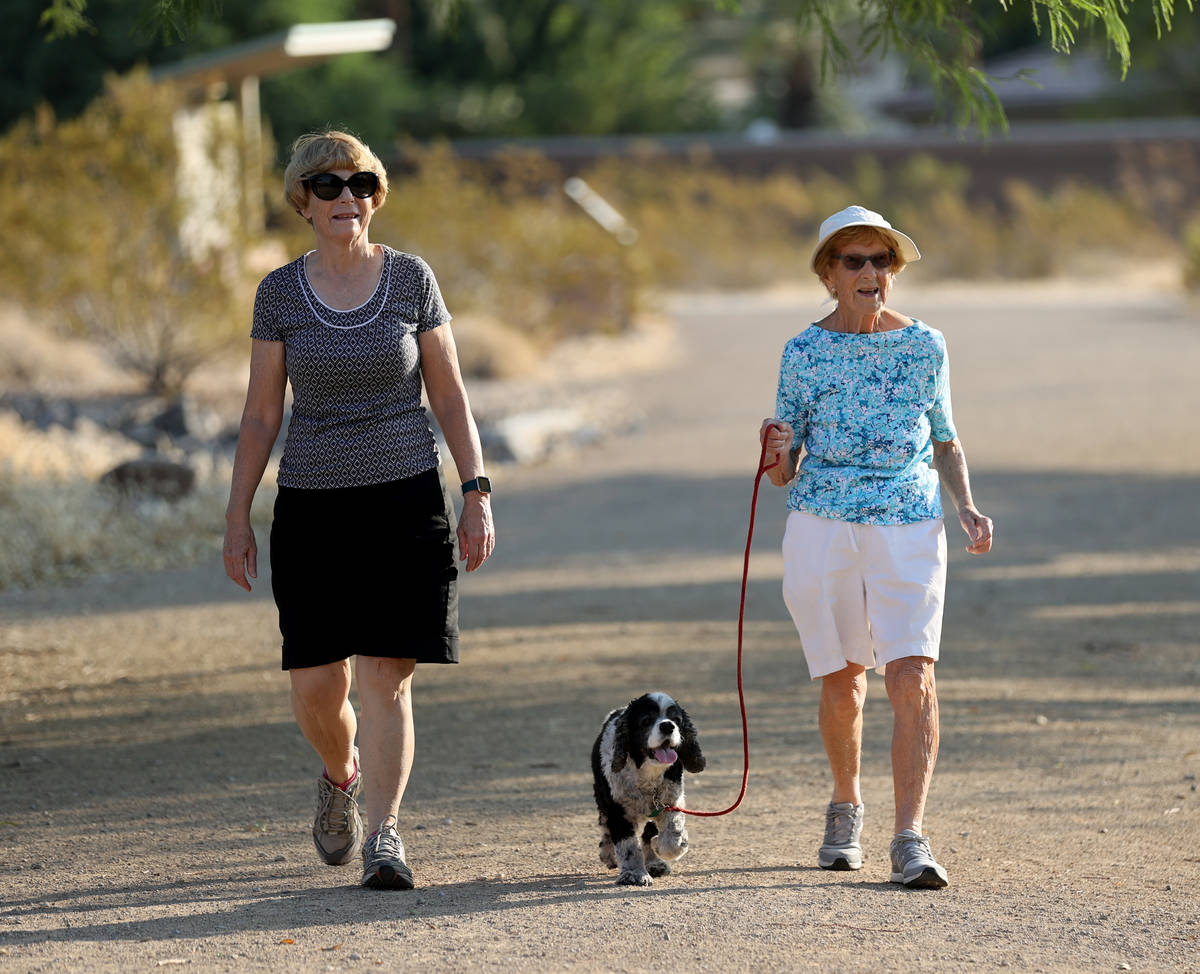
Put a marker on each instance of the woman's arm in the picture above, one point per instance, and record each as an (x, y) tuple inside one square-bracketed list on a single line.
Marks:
[(951, 464), (261, 419), (448, 400)]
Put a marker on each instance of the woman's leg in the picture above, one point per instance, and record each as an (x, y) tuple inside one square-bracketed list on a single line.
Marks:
[(915, 736), (321, 703), (840, 717), (386, 743)]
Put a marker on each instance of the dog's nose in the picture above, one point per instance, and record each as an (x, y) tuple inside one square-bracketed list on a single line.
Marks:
[(667, 727)]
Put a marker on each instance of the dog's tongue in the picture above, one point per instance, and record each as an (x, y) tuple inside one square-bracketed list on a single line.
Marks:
[(666, 755)]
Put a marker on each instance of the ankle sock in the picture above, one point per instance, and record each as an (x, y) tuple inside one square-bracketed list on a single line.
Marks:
[(345, 784)]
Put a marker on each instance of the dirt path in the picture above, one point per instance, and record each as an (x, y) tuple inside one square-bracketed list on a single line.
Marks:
[(157, 795)]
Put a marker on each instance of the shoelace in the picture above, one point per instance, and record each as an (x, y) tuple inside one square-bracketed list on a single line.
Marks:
[(333, 808), (907, 850), (841, 824), (385, 844)]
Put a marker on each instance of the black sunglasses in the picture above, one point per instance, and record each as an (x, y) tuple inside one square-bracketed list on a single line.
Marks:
[(329, 186), (855, 262)]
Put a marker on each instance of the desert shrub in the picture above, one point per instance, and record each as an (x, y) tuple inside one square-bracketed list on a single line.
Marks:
[(705, 227), (95, 209), (1191, 252), (1047, 232), (512, 246)]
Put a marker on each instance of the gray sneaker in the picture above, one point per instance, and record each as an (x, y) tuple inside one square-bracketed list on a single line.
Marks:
[(913, 863), (841, 849), (338, 829), (383, 861)]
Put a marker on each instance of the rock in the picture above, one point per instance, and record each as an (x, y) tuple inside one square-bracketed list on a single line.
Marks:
[(42, 411), (531, 436), (151, 476)]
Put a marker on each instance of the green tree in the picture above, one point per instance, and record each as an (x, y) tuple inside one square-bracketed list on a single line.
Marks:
[(507, 38), (475, 67)]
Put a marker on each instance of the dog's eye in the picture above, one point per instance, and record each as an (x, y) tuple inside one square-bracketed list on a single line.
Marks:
[(647, 720)]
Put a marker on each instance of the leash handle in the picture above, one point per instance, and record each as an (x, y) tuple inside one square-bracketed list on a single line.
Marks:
[(763, 467)]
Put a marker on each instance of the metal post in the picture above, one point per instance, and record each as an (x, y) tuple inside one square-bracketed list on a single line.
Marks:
[(252, 159)]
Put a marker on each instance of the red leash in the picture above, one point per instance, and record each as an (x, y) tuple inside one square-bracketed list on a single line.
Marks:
[(763, 467)]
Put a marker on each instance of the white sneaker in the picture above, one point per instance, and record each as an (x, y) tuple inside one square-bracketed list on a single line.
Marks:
[(913, 863), (841, 849)]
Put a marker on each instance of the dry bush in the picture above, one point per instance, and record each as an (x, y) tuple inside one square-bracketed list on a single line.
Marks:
[(704, 227), (1076, 228), (1191, 250), (105, 257), (33, 357), (513, 247), (489, 349)]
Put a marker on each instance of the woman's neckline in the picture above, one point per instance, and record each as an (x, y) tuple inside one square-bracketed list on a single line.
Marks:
[(912, 323), (358, 307)]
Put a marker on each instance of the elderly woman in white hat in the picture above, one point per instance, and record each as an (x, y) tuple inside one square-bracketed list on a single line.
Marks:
[(864, 394)]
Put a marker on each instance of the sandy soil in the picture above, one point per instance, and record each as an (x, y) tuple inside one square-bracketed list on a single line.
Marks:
[(157, 794)]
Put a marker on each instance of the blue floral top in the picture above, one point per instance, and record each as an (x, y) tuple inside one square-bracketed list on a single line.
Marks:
[(865, 407)]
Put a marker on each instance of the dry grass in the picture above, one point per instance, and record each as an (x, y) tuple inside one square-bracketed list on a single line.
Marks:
[(58, 523), (702, 227)]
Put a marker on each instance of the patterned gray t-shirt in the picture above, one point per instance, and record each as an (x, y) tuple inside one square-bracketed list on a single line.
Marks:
[(356, 379)]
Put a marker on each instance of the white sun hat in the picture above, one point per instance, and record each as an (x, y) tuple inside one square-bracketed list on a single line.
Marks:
[(860, 216)]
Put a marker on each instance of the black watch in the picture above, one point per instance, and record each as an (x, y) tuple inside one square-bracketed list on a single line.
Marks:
[(482, 483)]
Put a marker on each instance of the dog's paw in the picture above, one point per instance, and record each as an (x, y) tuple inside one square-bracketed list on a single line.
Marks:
[(631, 878), (658, 868), (670, 845)]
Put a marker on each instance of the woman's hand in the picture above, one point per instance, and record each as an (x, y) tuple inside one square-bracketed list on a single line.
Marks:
[(778, 441), (978, 528), (476, 533), (241, 553), (777, 436)]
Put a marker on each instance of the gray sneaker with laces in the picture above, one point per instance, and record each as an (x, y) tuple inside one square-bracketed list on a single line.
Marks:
[(913, 863), (383, 861), (841, 849), (338, 829)]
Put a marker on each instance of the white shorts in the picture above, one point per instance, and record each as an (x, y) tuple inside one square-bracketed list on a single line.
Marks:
[(864, 593)]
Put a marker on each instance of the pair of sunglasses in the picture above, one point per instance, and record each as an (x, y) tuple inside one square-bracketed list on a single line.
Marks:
[(329, 186), (855, 262)]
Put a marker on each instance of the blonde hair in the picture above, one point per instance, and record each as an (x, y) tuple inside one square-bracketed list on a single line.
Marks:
[(317, 152), (824, 259)]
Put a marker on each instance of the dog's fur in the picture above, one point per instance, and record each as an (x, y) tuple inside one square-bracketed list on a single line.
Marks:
[(631, 783)]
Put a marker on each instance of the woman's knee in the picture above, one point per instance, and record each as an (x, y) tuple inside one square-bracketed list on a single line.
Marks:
[(910, 678), (382, 677), (846, 690), (322, 687)]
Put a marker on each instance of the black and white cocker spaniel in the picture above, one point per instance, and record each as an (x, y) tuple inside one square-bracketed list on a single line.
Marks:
[(637, 769)]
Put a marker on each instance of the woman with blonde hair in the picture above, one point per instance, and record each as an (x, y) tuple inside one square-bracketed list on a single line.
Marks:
[(864, 394), (362, 540)]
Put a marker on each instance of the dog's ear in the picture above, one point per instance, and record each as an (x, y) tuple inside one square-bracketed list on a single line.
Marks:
[(689, 749), (620, 742)]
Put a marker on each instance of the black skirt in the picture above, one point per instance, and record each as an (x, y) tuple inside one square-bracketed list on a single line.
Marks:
[(366, 570)]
